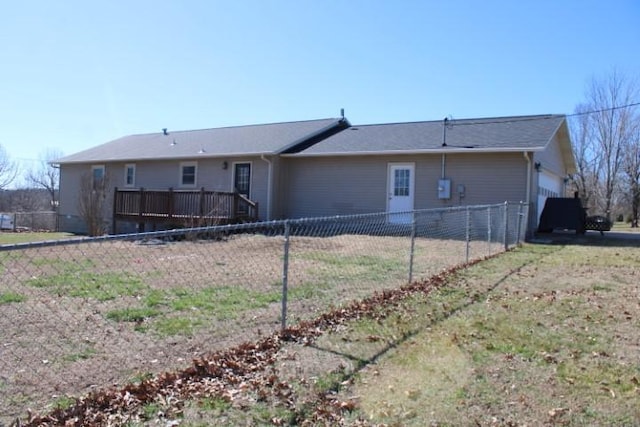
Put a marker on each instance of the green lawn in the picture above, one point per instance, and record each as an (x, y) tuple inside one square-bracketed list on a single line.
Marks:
[(10, 238)]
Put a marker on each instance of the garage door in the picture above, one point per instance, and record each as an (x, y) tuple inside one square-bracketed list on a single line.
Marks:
[(549, 185)]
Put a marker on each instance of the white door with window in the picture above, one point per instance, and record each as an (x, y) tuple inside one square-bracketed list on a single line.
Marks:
[(400, 192)]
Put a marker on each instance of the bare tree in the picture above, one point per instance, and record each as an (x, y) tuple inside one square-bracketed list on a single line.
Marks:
[(47, 174), (585, 179), (8, 169), (632, 174), (610, 126), (25, 200), (93, 202)]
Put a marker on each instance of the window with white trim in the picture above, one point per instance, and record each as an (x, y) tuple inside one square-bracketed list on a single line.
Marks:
[(130, 175), (188, 174)]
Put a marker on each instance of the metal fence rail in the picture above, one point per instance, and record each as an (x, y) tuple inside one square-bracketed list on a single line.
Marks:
[(90, 312)]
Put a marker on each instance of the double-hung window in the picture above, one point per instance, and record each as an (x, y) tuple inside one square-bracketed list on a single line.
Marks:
[(130, 175), (188, 174)]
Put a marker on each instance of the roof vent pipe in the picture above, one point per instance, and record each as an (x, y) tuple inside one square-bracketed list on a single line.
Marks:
[(444, 131), (164, 131), (342, 113)]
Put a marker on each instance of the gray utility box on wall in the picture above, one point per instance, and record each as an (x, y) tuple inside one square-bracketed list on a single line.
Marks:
[(444, 189)]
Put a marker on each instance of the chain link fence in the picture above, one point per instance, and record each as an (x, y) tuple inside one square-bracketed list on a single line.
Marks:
[(36, 221), (86, 313)]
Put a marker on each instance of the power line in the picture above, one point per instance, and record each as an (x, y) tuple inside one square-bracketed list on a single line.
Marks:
[(477, 122), (584, 113)]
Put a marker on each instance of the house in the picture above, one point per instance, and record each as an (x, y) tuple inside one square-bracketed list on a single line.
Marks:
[(421, 165), (329, 167), (242, 160)]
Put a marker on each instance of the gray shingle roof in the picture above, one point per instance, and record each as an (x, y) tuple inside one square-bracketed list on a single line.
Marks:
[(523, 133), (240, 140)]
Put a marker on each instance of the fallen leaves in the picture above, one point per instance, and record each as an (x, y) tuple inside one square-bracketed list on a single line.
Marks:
[(240, 371)]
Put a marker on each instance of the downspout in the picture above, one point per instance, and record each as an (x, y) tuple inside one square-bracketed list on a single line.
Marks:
[(528, 196), (269, 185)]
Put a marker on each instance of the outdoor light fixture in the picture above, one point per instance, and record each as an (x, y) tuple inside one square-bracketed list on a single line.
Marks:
[(225, 165), (537, 166)]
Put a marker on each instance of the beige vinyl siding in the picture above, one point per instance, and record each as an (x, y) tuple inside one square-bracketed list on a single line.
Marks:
[(319, 186), (487, 178), (70, 183), (551, 158)]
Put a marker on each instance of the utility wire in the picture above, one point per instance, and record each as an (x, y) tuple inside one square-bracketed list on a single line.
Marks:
[(471, 122), (584, 113)]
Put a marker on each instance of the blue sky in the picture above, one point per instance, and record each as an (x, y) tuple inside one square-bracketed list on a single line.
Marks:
[(75, 74)]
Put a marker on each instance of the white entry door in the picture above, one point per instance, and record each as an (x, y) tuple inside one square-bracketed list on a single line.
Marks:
[(400, 192)]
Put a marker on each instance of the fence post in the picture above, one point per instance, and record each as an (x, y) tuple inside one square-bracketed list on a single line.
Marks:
[(285, 272), (519, 223), (506, 226), (489, 228), (468, 236), (413, 246)]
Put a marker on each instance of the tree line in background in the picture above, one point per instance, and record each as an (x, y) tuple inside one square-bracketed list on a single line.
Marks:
[(605, 131), (38, 189)]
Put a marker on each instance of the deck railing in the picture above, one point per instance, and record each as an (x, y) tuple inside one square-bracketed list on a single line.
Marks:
[(181, 206)]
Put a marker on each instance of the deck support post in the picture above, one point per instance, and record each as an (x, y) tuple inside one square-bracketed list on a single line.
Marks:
[(141, 211), (115, 209), (170, 207), (201, 207)]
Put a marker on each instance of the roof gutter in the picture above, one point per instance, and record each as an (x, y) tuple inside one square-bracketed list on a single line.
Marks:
[(446, 150), (164, 158)]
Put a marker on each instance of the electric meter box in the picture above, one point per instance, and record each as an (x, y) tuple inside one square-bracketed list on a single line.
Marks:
[(444, 189)]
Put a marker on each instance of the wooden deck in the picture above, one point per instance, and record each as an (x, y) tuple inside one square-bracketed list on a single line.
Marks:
[(181, 208)]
